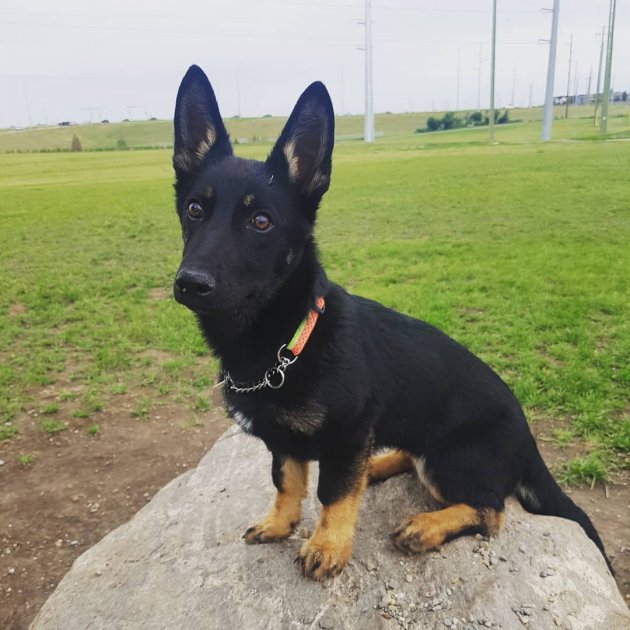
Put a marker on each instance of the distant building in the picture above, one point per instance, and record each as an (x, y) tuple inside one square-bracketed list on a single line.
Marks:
[(589, 99)]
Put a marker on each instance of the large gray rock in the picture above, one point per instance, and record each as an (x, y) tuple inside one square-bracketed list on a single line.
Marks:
[(180, 563)]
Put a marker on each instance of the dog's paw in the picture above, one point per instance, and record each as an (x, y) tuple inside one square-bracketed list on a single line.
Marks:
[(321, 560), (415, 536), (268, 531)]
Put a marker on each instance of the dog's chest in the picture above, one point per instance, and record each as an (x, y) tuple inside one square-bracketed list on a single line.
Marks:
[(270, 418)]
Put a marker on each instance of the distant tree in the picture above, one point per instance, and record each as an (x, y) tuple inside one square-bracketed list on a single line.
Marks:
[(75, 145), (449, 120), (121, 144), (433, 124), (503, 118), (476, 118)]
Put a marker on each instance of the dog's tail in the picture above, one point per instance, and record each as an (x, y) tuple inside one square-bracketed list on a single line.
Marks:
[(539, 493)]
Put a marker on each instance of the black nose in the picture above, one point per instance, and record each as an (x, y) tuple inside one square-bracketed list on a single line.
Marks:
[(194, 283)]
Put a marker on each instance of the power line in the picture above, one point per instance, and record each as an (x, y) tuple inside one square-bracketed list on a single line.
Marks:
[(566, 111)]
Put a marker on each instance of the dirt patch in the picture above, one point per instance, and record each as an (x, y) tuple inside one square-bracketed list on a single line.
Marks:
[(78, 488), (17, 309), (160, 293)]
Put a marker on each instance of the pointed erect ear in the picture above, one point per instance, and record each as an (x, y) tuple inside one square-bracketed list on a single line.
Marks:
[(199, 129), (303, 151)]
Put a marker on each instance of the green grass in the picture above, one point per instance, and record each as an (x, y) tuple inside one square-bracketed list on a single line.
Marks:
[(519, 251), (589, 469), (25, 459), (52, 427), (7, 432), (93, 430)]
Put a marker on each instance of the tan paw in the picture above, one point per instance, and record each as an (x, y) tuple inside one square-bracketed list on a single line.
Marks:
[(414, 536), (321, 560), (268, 531)]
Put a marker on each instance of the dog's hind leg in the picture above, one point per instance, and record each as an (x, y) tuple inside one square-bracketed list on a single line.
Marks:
[(381, 467), (468, 482), (290, 477), (428, 530)]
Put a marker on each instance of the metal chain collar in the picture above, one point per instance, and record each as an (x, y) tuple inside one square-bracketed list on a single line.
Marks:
[(274, 376)]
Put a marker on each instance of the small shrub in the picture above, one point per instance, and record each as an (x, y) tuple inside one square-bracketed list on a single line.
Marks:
[(75, 145), (93, 430), (121, 144)]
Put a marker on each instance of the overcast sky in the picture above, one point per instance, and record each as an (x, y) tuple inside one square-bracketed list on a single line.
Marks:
[(125, 58)]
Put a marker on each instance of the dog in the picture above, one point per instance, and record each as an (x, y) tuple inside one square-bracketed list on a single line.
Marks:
[(319, 374)]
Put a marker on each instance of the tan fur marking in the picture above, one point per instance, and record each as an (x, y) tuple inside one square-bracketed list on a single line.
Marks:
[(292, 161), (183, 161), (209, 192), (287, 508), (381, 467), (492, 520), (206, 143), (426, 481), (248, 200), (326, 553), (428, 530)]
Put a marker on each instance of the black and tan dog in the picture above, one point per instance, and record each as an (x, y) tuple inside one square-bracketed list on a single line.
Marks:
[(319, 374)]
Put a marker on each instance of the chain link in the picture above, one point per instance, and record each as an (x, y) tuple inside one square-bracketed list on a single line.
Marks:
[(279, 369)]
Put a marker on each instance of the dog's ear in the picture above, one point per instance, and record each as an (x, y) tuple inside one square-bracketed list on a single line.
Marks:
[(199, 128), (302, 155)]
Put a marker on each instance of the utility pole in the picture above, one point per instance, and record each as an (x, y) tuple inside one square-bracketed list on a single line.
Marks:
[(479, 79), (576, 85), (588, 91), (368, 123), (514, 86), (603, 126), (599, 76), (459, 51), (238, 92), (566, 111), (551, 71), (492, 69)]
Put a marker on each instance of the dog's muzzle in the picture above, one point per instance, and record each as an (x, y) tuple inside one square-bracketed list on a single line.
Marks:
[(192, 288)]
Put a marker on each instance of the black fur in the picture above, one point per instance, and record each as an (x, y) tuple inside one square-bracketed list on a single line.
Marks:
[(369, 377)]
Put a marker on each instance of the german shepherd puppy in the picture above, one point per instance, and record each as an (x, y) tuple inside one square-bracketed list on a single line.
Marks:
[(319, 374)]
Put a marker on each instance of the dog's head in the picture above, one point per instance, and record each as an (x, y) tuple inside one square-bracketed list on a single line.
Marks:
[(245, 223)]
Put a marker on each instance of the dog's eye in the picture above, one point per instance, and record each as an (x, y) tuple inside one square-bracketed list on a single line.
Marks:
[(195, 211), (261, 222)]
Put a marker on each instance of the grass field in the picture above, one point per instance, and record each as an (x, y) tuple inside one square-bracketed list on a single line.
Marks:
[(520, 251), (391, 128)]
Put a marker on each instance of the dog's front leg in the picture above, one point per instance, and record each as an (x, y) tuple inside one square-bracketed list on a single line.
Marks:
[(290, 477), (342, 480)]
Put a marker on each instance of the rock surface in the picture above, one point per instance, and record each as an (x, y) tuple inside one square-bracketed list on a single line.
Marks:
[(180, 563)]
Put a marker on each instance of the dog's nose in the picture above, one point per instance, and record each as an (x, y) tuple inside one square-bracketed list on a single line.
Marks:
[(194, 283)]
